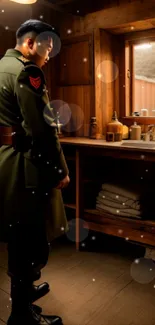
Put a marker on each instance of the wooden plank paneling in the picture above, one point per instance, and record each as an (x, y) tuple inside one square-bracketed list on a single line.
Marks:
[(98, 82), (117, 15), (116, 60), (114, 17), (5, 306), (80, 107), (141, 35), (133, 27), (75, 84), (107, 78), (125, 111), (75, 62)]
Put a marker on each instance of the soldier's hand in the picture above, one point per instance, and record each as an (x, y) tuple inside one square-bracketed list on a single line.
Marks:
[(63, 183)]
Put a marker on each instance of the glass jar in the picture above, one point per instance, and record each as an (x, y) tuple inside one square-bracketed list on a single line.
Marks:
[(93, 128)]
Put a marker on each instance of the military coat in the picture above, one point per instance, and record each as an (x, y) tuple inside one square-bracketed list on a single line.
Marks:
[(28, 179)]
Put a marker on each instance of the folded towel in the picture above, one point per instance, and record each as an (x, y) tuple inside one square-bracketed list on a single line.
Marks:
[(118, 205), (118, 200), (107, 205), (131, 191), (123, 213)]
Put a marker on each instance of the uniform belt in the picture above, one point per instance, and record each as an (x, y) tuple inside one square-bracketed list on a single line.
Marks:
[(7, 133), (15, 136)]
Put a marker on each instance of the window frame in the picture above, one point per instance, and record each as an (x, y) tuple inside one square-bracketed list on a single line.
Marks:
[(131, 39)]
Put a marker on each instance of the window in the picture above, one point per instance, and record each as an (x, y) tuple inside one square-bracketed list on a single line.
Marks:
[(140, 78)]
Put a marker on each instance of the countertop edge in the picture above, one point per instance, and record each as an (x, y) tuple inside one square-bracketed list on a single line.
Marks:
[(102, 144)]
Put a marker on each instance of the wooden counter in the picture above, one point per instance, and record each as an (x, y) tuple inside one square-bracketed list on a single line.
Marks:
[(134, 230), (86, 142)]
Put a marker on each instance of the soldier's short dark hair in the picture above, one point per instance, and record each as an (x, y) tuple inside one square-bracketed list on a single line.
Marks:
[(33, 25)]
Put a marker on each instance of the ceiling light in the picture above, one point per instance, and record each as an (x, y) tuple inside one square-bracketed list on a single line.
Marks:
[(24, 2)]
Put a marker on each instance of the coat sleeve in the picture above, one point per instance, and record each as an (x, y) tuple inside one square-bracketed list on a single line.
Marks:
[(30, 90)]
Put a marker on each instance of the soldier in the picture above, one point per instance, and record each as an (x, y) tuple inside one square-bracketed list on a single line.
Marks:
[(33, 171)]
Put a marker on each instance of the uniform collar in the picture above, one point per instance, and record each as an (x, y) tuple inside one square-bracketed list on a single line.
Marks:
[(13, 52)]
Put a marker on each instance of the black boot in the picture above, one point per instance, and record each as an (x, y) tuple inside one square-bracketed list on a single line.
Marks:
[(36, 308), (36, 293), (39, 291), (31, 318), (22, 312), (36, 276)]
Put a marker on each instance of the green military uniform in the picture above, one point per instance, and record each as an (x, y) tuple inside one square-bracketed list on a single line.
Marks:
[(27, 179)]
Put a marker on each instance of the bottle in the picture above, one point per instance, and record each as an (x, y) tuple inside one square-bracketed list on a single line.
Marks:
[(115, 126), (93, 128), (144, 112), (135, 132)]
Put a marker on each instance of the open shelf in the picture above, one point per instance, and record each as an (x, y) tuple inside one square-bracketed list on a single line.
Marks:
[(92, 213), (70, 205), (142, 231), (87, 176)]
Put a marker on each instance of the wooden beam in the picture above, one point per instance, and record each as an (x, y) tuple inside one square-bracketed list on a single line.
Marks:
[(140, 35), (53, 6), (111, 18), (122, 14)]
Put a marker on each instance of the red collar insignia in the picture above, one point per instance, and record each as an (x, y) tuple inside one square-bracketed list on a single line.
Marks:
[(35, 82)]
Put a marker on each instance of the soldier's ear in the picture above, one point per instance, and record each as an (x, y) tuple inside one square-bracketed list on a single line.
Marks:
[(30, 43)]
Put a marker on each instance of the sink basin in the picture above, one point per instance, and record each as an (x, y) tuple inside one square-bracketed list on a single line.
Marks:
[(138, 144)]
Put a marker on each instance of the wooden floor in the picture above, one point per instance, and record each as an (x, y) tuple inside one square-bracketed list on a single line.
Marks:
[(90, 287)]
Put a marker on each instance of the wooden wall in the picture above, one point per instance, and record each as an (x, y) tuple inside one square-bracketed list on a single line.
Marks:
[(85, 94), (109, 49), (118, 13), (70, 80), (12, 15), (75, 85), (109, 73), (19, 14)]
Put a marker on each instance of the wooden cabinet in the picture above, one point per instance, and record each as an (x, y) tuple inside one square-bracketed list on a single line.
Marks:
[(91, 164), (75, 62)]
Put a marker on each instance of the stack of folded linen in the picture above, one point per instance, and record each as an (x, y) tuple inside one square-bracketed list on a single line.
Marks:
[(120, 199)]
